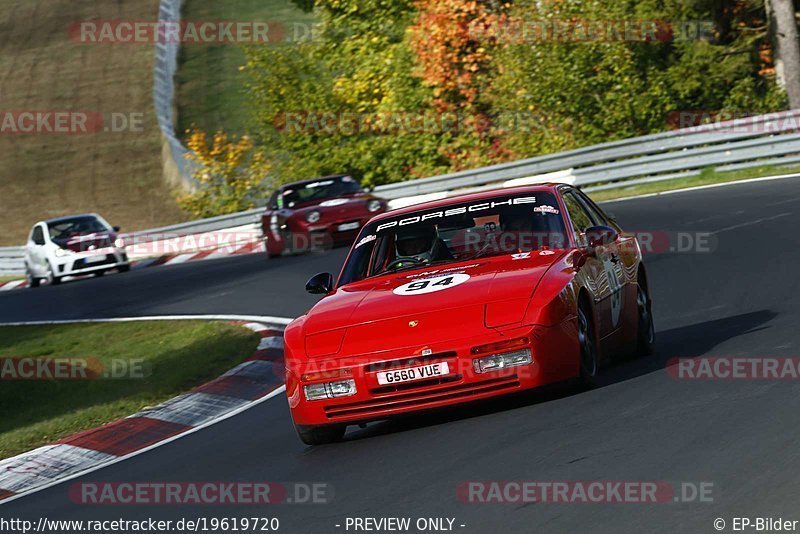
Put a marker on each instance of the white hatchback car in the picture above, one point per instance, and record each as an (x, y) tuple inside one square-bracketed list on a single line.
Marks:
[(73, 246)]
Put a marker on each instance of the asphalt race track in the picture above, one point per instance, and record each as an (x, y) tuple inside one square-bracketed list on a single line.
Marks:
[(739, 298)]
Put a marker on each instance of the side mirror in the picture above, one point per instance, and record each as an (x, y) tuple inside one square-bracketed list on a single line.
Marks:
[(579, 259), (116, 228), (598, 236), (320, 284)]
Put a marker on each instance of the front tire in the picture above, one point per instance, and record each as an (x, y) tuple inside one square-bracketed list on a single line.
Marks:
[(286, 250), (33, 281), (52, 279), (320, 435), (588, 343), (646, 335)]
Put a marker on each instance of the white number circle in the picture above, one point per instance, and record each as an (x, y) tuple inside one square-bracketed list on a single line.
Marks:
[(431, 285)]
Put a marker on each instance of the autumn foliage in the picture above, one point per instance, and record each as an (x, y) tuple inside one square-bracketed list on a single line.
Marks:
[(230, 175), (352, 99)]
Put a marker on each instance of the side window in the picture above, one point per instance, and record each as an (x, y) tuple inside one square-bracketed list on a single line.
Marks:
[(580, 217), (38, 236), (597, 216), (272, 203)]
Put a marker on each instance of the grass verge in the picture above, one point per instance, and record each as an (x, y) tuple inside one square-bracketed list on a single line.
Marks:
[(163, 359), (707, 177), (117, 171)]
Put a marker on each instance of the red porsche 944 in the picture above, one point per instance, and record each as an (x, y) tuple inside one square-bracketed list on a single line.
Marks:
[(464, 299), (317, 213)]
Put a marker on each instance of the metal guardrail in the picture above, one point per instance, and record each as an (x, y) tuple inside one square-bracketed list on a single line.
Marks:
[(200, 226), (11, 261), (166, 66), (698, 147), (770, 139)]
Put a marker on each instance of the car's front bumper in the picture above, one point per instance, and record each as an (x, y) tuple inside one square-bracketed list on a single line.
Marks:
[(78, 264), (555, 352)]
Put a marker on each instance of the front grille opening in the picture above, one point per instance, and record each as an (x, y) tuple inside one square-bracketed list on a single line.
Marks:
[(421, 399)]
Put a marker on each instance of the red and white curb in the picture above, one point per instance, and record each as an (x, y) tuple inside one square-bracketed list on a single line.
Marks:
[(173, 259), (257, 380), (170, 259), (14, 284)]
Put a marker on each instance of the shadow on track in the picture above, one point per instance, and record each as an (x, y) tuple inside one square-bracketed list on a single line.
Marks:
[(685, 342)]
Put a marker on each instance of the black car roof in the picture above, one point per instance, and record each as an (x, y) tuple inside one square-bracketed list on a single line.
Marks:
[(69, 218)]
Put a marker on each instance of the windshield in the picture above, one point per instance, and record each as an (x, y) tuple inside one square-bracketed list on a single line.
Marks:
[(319, 190), (461, 232), (62, 230)]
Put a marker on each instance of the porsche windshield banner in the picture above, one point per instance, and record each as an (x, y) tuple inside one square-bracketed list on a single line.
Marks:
[(460, 210)]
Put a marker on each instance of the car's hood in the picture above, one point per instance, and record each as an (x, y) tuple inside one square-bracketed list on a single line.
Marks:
[(376, 314), (336, 202)]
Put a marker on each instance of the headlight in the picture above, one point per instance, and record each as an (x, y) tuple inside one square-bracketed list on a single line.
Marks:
[(374, 205), (62, 252), (496, 362), (119, 243), (330, 390), (313, 217)]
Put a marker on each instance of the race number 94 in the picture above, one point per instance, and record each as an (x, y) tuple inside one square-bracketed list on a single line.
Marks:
[(431, 285)]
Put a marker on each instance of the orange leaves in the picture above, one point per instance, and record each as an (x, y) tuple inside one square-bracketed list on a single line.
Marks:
[(451, 40)]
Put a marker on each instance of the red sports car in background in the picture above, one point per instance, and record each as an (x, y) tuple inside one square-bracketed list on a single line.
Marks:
[(464, 299), (317, 213)]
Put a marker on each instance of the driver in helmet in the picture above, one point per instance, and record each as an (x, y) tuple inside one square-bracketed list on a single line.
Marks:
[(417, 246)]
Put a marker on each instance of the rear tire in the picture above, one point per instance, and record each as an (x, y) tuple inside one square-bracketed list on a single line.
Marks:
[(320, 435), (124, 268), (98, 274), (588, 344)]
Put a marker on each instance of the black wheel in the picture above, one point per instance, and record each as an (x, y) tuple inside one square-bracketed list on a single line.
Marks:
[(646, 331), (286, 236), (124, 268), (588, 344), (33, 281), (320, 435), (52, 279), (98, 274)]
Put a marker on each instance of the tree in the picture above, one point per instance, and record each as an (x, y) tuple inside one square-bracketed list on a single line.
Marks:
[(783, 29), (231, 175)]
